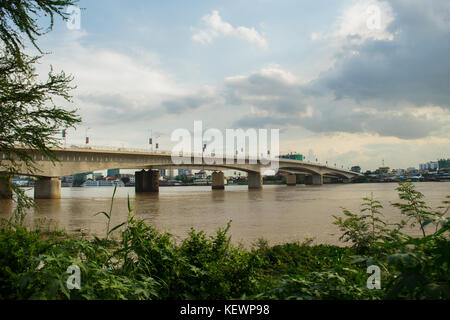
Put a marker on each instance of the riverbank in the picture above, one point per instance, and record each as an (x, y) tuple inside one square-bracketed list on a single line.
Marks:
[(278, 213), (134, 261)]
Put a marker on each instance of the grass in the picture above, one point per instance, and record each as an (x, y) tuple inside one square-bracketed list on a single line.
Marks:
[(141, 263)]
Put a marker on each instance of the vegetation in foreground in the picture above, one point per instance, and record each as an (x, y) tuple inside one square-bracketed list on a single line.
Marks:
[(146, 264)]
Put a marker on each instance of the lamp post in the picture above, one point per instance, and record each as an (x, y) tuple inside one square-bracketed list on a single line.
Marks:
[(64, 135), (87, 138)]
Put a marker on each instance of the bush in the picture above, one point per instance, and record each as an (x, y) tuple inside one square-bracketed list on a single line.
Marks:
[(146, 264)]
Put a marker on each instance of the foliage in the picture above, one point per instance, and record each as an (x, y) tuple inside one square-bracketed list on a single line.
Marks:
[(29, 116), (142, 263), (32, 109), (365, 229), (416, 210), (20, 17), (415, 267)]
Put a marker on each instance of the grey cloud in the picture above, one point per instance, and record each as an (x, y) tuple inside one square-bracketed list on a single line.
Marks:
[(414, 67), (117, 107), (372, 91), (342, 117), (267, 92), (186, 103), (256, 121)]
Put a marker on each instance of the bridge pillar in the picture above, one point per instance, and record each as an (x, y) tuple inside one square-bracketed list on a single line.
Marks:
[(254, 180), (291, 179), (47, 188), (154, 183), (308, 180), (139, 181), (317, 179), (146, 181), (5, 187), (218, 180)]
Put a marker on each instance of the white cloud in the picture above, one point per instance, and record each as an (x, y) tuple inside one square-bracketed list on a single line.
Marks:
[(216, 27), (367, 19)]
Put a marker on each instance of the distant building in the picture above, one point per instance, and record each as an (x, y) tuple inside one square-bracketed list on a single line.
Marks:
[(429, 166), (398, 172), (184, 172), (356, 169), (200, 175), (292, 156), (434, 165), (384, 170), (170, 173), (98, 176), (443, 164), (113, 173), (412, 171)]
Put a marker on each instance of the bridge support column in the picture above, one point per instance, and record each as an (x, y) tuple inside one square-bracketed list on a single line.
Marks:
[(218, 180), (291, 179), (5, 187), (254, 180), (317, 179), (154, 183), (146, 181), (47, 188)]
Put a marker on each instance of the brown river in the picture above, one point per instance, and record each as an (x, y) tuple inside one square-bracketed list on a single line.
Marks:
[(277, 213)]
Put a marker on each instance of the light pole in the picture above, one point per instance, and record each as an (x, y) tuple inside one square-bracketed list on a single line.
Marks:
[(64, 135), (87, 138), (156, 143), (150, 140)]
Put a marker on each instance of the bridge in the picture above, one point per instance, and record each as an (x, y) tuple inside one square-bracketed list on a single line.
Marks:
[(82, 159)]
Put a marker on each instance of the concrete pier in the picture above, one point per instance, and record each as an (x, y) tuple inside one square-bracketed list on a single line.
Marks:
[(218, 180), (154, 185), (5, 187), (308, 180), (146, 181), (47, 188), (316, 179), (291, 180), (255, 180)]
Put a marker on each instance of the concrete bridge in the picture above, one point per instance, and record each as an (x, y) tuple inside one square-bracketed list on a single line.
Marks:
[(80, 160)]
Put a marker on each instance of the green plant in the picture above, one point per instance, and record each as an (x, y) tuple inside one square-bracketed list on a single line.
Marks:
[(365, 229), (416, 210)]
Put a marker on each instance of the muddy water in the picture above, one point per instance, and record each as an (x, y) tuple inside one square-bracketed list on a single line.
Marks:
[(276, 213)]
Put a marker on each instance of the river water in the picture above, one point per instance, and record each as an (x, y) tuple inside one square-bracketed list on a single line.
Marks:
[(277, 213)]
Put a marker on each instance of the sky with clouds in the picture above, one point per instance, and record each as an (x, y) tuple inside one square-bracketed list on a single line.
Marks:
[(348, 82)]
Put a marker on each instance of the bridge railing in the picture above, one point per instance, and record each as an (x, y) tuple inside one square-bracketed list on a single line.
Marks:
[(166, 152), (109, 148)]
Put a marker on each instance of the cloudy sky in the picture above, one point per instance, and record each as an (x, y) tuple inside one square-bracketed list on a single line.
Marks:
[(348, 82)]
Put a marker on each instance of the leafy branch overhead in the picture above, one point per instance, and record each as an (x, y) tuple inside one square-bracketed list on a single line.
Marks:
[(19, 19), (29, 114), (33, 108)]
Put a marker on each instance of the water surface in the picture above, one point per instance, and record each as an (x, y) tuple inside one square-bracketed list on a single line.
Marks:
[(277, 213)]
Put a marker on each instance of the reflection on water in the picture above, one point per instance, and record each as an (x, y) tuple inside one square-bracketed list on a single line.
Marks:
[(276, 213)]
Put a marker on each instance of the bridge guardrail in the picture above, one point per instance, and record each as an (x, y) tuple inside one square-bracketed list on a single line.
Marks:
[(164, 152)]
